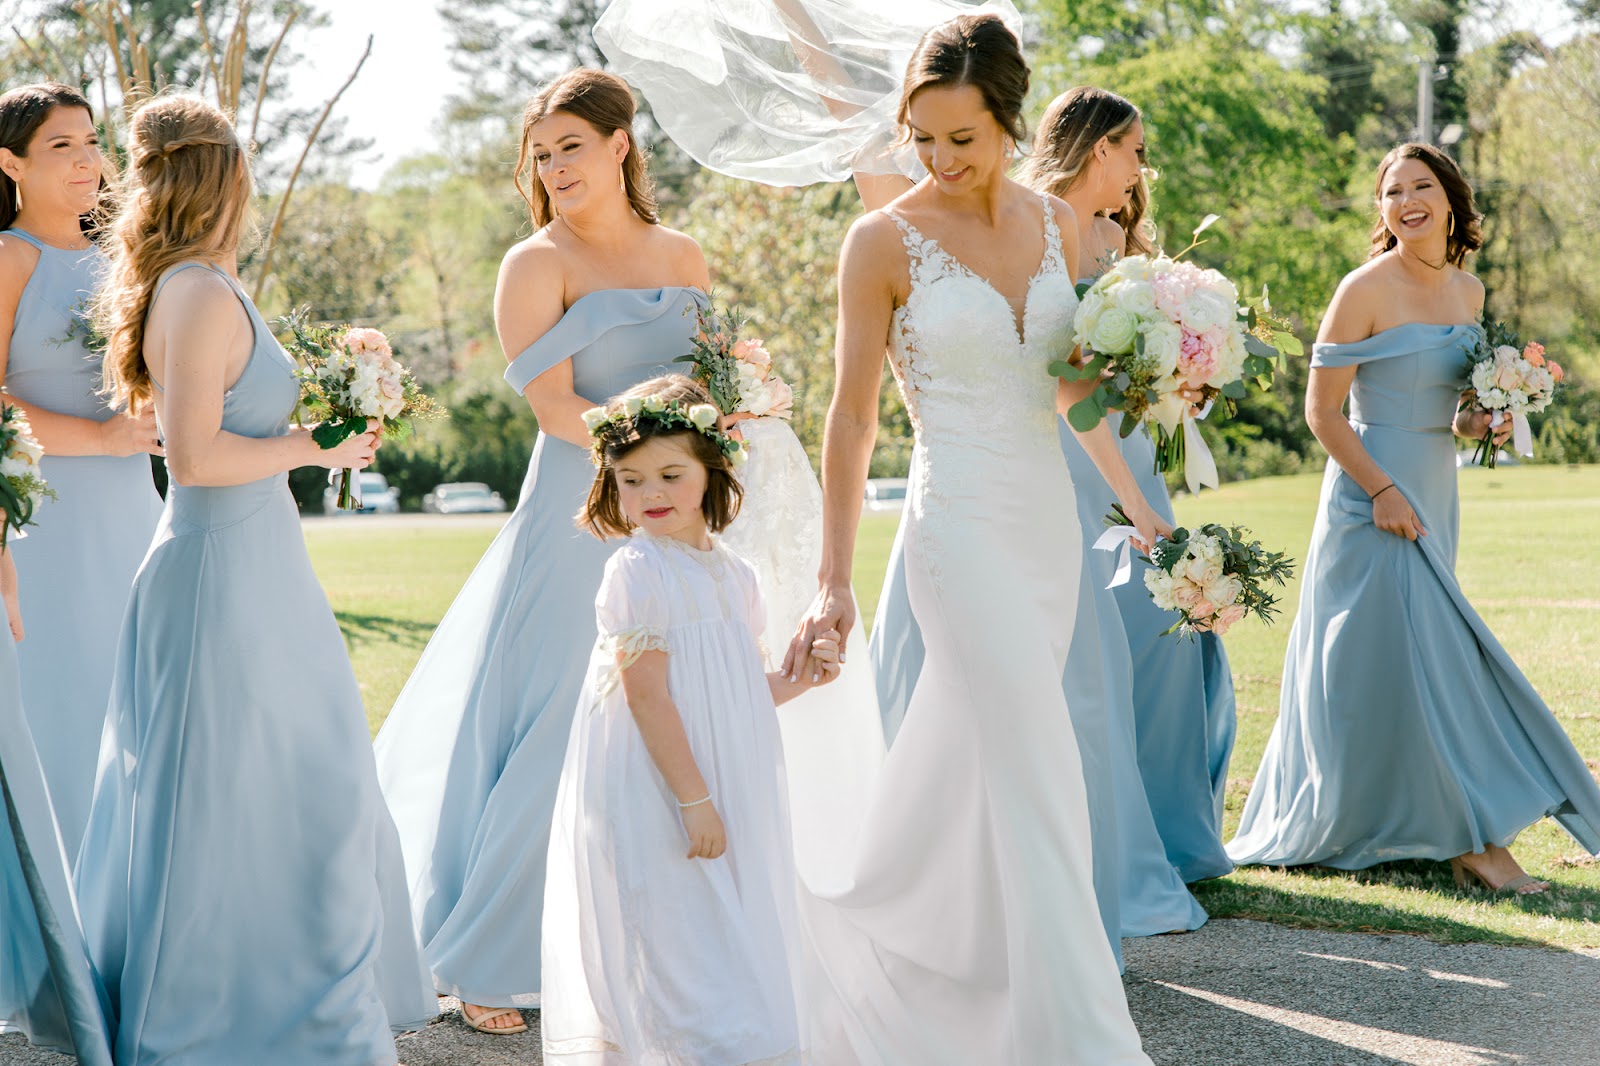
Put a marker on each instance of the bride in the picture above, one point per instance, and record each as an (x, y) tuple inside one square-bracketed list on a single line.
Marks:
[(968, 931)]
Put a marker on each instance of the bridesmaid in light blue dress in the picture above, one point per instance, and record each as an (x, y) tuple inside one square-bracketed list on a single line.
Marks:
[(46, 990), (241, 882), (1090, 151), (78, 564), (471, 753), (1405, 731)]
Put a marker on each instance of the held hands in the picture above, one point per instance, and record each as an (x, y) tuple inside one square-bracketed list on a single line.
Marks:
[(355, 452), (1392, 513), (833, 611), (127, 434), (707, 838)]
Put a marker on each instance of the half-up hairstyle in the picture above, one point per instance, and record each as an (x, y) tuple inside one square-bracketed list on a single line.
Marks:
[(188, 199), (22, 111), (1072, 125), (605, 102), (975, 50), (1467, 234), (602, 512)]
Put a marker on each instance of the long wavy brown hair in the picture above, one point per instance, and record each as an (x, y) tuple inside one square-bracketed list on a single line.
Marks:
[(188, 198), (22, 111), (605, 102), (1072, 125), (1467, 235)]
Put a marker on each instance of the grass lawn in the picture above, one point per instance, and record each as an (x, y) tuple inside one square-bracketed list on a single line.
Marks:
[(1521, 563)]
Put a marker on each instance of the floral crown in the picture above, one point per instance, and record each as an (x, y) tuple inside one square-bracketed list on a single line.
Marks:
[(633, 412)]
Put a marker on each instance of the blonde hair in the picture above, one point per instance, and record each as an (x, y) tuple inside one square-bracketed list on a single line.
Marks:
[(188, 198), (605, 102), (1072, 125)]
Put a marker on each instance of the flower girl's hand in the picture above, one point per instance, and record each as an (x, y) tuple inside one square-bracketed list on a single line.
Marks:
[(707, 838), (825, 653), (833, 610)]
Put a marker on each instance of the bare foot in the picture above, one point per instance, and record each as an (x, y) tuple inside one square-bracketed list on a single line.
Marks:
[(494, 1019), (1498, 870)]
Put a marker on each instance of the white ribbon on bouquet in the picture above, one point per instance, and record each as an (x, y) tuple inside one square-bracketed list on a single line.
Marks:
[(1521, 431), (1110, 541), (1199, 467)]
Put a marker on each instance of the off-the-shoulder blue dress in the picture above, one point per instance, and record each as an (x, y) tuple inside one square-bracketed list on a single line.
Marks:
[(471, 753), (1404, 729)]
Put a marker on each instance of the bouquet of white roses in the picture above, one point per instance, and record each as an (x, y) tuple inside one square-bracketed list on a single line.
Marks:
[(1151, 326), (351, 375), (22, 488), (1212, 576), (1509, 383), (736, 371)]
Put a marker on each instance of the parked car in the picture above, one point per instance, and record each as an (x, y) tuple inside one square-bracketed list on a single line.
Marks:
[(463, 497), (886, 494), (376, 496)]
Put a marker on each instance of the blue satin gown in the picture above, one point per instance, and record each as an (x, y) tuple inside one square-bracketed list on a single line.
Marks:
[(241, 882), (1183, 702), (1404, 729), (471, 753), (76, 567), (46, 990)]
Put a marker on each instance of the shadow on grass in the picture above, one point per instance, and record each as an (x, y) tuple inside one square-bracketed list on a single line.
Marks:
[(1318, 907), (362, 628)]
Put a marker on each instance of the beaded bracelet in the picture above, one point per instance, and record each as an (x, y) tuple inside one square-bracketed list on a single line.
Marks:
[(704, 799)]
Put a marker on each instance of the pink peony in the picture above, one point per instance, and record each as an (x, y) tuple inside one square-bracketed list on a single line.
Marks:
[(360, 341), (782, 399), (1534, 353), (1555, 370), (1197, 357)]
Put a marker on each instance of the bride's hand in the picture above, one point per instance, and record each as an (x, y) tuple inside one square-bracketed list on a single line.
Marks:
[(1151, 526), (834, 609), (730, 424)]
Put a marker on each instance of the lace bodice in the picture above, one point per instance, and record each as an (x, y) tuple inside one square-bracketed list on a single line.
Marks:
[(966, 374)]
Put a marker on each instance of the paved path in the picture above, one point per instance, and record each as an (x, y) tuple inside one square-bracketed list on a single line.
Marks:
[(1252, 994)]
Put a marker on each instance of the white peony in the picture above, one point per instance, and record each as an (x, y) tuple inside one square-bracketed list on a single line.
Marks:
[(1137, 297), (1208, 309)]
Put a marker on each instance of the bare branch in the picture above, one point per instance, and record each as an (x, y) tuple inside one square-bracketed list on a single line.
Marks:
[(266, 68), (207, 48), (311, 140)]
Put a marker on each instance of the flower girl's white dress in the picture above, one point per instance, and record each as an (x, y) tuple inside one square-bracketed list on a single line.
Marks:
[(651, 957)]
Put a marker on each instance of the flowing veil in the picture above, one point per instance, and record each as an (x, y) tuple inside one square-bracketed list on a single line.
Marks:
[(782, 92)]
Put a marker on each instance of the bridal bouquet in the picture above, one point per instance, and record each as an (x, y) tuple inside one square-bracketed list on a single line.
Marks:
[(736, 371), (1210, 575), (22, 488), (351, 375), (1508, 382), (1153, 325)]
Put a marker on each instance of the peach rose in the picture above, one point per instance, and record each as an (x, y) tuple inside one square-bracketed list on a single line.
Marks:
[(1204, 609), (1227, 617), (1534, 353), (1555, 370)]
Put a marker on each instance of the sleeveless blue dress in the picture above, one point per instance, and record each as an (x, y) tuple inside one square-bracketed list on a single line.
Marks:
[(471, 753), (1183, 702), (76, 566), (1404, 730), (1138, 891), (240, 880), (46, 990)]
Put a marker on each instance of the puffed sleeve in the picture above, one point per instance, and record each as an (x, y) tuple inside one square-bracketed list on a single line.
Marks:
[(631, 608)]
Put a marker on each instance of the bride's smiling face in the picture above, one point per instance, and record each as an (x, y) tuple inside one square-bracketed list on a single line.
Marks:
[(956, 136), (575, 162)]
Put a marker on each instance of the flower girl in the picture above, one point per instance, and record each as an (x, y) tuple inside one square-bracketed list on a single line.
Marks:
[(669, 908)]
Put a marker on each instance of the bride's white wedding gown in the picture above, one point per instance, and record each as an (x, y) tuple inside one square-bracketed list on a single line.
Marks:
[(967, 931)]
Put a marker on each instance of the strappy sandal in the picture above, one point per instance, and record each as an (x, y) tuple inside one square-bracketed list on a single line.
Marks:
[(1525, 885), (480, 1023)]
